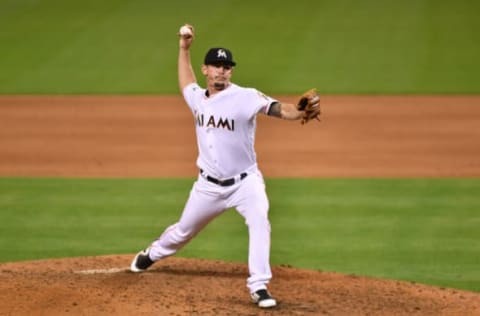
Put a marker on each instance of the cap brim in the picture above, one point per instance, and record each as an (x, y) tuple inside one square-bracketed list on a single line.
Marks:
[(231, 63)]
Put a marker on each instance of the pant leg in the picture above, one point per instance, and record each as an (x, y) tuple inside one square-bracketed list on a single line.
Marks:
[(252, 203), (202, 206)]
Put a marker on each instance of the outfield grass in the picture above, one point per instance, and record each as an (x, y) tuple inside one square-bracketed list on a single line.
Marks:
[(342, 47), (424, 230)]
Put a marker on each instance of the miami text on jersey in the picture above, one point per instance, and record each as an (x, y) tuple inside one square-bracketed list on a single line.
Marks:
[(229, 124)]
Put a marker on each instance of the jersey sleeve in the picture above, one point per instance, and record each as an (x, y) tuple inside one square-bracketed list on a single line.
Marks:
[(190, 93), (262, 102)]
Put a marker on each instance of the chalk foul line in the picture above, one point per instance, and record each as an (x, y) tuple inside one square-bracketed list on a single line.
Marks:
[(102, 271)]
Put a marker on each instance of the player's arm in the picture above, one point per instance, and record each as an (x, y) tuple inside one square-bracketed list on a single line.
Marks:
[(285, 111), (186, 75)]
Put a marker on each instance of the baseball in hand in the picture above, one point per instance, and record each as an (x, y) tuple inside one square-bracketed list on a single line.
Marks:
[(185, 31)]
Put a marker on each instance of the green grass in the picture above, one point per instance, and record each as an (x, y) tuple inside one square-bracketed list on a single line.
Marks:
[(423, 230), (345, 46)]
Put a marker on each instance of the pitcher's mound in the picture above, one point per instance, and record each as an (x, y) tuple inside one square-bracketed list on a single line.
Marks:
[(177, 286)]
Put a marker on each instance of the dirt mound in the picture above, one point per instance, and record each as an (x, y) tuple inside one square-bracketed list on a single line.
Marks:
[(177, 286)]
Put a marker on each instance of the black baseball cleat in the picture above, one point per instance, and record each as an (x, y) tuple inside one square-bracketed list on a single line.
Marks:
[(263, 299), (141, 262)]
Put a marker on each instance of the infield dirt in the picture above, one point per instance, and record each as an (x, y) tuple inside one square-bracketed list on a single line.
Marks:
[(154, 137)]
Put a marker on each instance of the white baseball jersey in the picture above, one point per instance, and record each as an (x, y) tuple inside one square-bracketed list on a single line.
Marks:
[(225, 127)]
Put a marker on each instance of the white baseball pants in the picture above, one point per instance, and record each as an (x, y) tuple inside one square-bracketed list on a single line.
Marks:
[(208, 200)]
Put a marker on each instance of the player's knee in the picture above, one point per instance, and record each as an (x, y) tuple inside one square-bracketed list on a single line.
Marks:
[(181, 235), (258, 220)]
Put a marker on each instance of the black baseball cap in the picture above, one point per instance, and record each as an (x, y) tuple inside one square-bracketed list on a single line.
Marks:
[(219, 55)]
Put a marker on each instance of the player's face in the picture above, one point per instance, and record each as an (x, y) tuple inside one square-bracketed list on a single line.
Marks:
[(218, 75)]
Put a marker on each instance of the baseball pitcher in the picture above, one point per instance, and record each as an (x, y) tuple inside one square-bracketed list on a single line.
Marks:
[(225, 120)]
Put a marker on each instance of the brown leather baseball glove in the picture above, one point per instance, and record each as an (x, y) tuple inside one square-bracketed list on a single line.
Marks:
[(309, 103)]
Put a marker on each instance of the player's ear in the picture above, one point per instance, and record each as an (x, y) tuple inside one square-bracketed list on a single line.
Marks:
[(204, 70)]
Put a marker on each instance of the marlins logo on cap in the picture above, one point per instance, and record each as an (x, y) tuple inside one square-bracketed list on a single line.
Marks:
[(219, 55)]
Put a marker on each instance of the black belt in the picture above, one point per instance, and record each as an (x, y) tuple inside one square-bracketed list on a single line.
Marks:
[(223, 183)]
